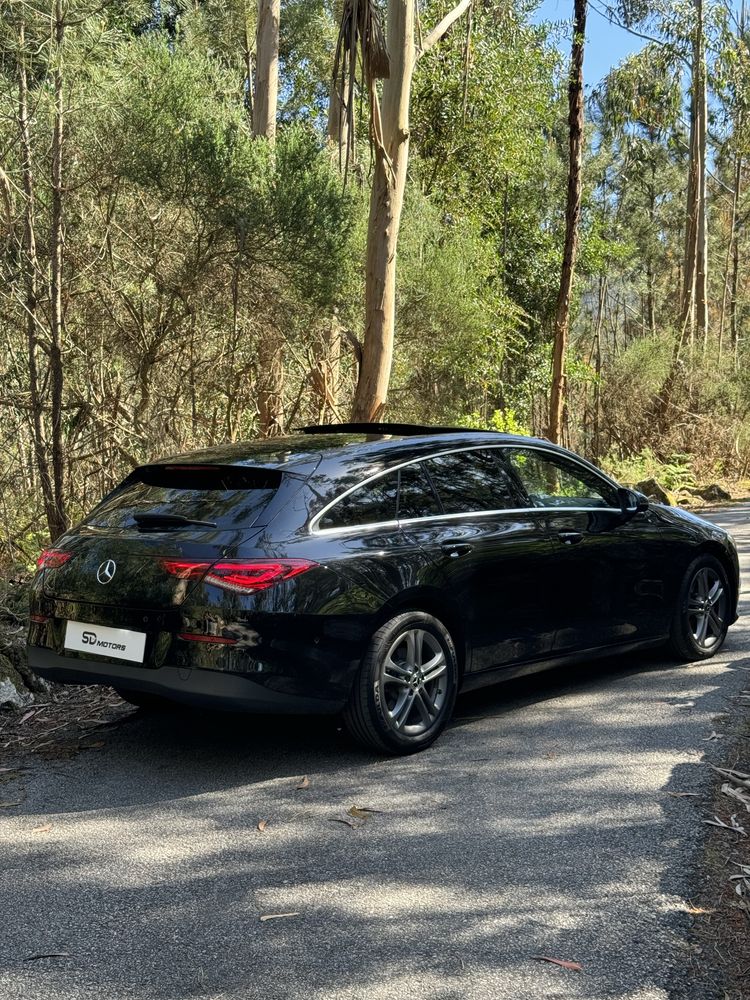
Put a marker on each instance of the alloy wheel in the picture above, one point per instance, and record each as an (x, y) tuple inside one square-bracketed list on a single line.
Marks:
[(707, 608), (414, 682)]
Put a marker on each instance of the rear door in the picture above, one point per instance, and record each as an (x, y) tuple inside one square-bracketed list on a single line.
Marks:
[(607, 576), (493, 557)]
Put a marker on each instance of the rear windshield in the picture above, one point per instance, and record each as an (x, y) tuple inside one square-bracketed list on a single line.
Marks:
[(229, 496)]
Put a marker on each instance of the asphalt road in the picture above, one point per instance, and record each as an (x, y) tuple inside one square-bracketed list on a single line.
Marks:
[(540, 824)]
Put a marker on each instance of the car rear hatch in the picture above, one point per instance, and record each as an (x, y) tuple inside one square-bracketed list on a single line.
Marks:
[(128, 551)]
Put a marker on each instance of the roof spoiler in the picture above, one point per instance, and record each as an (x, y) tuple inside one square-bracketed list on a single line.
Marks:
[(400, 429)]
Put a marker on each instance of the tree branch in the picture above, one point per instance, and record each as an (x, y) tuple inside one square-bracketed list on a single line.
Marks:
[(442, 28), (609, 15)]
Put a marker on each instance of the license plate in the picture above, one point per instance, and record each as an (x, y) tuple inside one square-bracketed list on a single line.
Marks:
[(114, 643)]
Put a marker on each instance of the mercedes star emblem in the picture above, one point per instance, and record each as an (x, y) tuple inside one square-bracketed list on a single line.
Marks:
[(106, 571)]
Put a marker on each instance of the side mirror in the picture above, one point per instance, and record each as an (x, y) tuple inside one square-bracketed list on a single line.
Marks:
[(631, 502)]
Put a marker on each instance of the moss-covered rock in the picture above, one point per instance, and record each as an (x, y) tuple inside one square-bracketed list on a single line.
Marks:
[(13, 690), (655, 491), (18, 683)]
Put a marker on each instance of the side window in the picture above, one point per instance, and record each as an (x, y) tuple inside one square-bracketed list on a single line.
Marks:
[(416, 497), (370, 504), (551, 481), (468, 481)]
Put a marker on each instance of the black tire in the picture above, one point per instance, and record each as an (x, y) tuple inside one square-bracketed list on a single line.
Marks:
[(388, 709), (701, 619), (148, 702)]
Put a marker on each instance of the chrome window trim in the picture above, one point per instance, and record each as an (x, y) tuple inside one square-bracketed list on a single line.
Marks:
[(382, 525), (379, 525)]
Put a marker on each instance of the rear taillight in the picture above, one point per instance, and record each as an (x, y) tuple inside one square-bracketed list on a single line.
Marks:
[(185, 569), (238, 575), (52, 559)]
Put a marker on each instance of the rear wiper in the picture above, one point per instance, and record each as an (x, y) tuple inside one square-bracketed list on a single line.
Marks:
[(146, 521)]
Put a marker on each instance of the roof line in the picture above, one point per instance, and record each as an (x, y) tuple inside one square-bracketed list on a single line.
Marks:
[(404, 430)]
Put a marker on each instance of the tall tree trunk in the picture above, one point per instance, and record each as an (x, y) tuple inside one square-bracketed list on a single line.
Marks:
[(337, 127), (31, 294), (701, 260), (271, 383), (596, 442), (735, 259), (694, 304), (56, 275), (247, 56), (266, 69), (386, 203), (391, 133), (572, 219), (265, 106), (650, 296), (731, 246)]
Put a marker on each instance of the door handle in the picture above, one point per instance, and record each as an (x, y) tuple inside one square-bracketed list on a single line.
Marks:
[(570, 537), (455, 548)]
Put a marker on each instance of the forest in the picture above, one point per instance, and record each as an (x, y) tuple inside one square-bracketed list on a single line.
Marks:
[(222, 219)]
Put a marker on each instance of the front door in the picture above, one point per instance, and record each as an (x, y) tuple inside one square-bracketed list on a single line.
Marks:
[(608, 572)]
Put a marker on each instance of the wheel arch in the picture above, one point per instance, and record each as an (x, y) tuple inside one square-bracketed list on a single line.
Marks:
[(432, 602)]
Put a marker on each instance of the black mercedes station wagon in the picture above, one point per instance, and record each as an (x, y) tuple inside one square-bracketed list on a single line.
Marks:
[(374, 570)]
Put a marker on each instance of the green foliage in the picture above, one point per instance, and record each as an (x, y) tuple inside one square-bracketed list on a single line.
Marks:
[(674, 472), (177, 129), (455, 320), (505, 421)]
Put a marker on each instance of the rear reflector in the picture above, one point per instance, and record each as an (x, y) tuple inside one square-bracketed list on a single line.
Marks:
[(219, 640), (238, 575), (52, 559), (39, 619)]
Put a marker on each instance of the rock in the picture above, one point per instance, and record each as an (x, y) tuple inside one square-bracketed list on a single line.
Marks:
[(713, 493), (13, 690), (655, 491)]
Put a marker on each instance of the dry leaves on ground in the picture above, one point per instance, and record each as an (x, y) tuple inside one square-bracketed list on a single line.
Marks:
[(305, 783), (731, 825), (362, 812), (65, 725), (355, 824), (262, 825), (279, 916), (356, 816), (737, 794), (742, 887), (573, 966)]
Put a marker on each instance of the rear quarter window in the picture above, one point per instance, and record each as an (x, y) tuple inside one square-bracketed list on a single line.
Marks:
[(371, 503), (230, 496)]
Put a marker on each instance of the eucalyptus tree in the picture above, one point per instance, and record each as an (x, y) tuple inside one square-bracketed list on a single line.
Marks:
[(392, 59)]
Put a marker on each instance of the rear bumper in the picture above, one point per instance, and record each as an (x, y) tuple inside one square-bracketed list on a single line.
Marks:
[(207, 688)]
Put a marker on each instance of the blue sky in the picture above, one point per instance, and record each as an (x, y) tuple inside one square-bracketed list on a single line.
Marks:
[(606, 44)]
